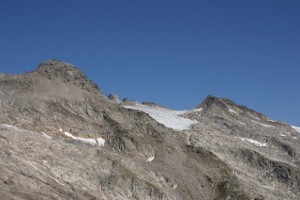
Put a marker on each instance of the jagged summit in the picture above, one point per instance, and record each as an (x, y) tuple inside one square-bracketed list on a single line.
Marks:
[(217, 105), (55, 63), (67, 73), (55, 68), (114, 97), (210, 101)]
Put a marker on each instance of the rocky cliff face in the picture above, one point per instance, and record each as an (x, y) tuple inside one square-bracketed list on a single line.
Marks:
[(61, 138)]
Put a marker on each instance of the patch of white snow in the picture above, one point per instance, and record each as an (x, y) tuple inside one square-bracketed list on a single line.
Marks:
[(232, 111), (196, 110), (243, 123), (282, 135), (167, 117), (46, 136), (296, 128), (94, 142), (100, 141), (270, 120), (13, 127), (265, 125), (150, 159), (60, 130), (256, 143), (254, 116)]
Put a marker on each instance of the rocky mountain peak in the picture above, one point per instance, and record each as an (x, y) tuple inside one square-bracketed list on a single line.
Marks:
[(114, 97), (59, 68), (67, 73), (211, 101)]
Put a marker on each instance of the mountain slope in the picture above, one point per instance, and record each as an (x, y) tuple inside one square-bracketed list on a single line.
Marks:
[(61, 138)]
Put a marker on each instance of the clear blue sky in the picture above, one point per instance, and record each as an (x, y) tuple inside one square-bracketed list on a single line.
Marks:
[(171, 52)]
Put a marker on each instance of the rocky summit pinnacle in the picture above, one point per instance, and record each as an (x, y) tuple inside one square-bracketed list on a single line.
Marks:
[(210, 101), (60, 138), (68, 73)]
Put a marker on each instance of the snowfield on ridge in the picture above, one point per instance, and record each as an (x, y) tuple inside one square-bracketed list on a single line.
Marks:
[(169, 118), (296, 128)]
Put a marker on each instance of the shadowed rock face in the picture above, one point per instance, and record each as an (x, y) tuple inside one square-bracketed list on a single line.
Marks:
[(231, 153)]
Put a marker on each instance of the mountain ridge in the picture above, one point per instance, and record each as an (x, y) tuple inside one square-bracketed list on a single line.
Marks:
[(62, 138)]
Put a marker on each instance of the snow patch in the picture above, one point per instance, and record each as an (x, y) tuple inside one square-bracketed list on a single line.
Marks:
[(196, 110), (296, 128), (60, 130), (256, 143), (254, 116), (265, 125), (282, 135), (243, 123), (100, 141), (193, 111), (94, 142), (150, 159), (232, 111), (46, 136), (13, 127), (271, 120), (167, 117)]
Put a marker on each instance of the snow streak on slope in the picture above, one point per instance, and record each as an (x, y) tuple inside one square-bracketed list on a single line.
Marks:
[(256, 143), (265, 125), (296, 128), (167, 117), (13, 127), (232, 111), (94, 142)]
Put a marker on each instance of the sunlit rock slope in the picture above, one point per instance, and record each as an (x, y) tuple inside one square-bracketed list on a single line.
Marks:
[(61, 138)]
